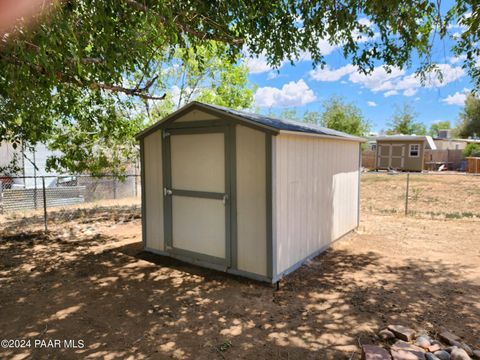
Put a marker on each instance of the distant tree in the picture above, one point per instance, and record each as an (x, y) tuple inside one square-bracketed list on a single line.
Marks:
[(441, 125), (469, 119), (472, 150), (312, 117), (289, 114), (403, 122), (342, 116), (205, 74)]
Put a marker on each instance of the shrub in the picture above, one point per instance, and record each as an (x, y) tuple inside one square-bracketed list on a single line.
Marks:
[(472, 150)]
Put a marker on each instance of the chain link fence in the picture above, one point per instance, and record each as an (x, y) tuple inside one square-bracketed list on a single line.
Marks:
[(436, 195), (63, 198), (62, 195)]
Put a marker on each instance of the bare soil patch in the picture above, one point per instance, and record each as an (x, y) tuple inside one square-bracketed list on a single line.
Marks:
[(90, 280)]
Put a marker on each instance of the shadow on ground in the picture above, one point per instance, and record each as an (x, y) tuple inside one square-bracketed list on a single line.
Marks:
[(124, 302)]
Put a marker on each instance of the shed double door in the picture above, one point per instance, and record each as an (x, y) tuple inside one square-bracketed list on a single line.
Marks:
[(197, 195), (391, 156)]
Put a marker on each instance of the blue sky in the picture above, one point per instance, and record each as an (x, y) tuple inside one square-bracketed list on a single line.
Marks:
[(303, 88)]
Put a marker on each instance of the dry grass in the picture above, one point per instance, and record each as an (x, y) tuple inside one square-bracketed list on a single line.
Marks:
[(453, 196)]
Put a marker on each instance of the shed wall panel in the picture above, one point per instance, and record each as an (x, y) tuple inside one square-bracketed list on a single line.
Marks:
[(199, 225), (196, 115), (409, 163), (198, 162), (316, 195), (251, 200), (153, 191)]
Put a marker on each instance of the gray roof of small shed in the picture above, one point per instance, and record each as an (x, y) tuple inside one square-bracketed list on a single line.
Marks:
[(268, 122)]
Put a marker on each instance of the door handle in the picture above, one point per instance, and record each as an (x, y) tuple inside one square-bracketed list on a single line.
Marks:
[(167, 192), (225, 199)]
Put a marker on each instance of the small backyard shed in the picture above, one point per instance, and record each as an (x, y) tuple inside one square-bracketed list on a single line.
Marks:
[(245, 193), (402, 152)]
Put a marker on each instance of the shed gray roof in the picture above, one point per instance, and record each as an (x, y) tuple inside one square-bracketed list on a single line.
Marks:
[(262, 120)]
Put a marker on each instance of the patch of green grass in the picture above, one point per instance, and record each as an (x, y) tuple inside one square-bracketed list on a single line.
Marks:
[(447, 215), (388, 211)]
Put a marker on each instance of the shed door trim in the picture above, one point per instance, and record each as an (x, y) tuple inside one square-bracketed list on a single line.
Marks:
[(401, 156), (389, 156), (380, 156), (170, 192)]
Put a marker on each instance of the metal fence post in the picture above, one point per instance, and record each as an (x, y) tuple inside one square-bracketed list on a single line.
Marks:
[(135, 191), (45, 219), (406, 194), (114, 187), (35, 206)]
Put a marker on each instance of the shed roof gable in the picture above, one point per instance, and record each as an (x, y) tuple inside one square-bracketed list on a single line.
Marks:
[(261, 122)]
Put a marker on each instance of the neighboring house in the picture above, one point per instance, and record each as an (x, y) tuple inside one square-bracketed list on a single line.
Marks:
[(472, 141), (450, 144), (32, 163), (371, 141), (7, 154), (245, 193), (402, 152), (444, 141)]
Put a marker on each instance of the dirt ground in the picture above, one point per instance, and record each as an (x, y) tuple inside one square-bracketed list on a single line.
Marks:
[(431, 195), (89, 280)]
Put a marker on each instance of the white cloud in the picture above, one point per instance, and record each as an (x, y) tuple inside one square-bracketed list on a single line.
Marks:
[(395, 81), (449, 74), (410, 91), (327, 74), (258, 65), (457, 59), (365, 21), (391, 82), (326, 48), (272, 75), (456, 99), (371, 103), (291, 94), (390, 93), (378, 80)]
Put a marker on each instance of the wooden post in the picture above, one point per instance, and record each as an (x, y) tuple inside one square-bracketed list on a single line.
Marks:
[(406, 194)]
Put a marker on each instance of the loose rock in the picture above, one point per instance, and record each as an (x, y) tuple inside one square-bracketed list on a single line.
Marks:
[(449, 337), (430, 356), (459, 354), (467, 349), (402, 350), (476, 354), (372, 352), (434, 347), (442, 355), (386, 334), (402, 332), (423, 342)]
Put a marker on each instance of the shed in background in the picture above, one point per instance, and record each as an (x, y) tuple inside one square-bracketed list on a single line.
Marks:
[(245, 193), (402, 152)]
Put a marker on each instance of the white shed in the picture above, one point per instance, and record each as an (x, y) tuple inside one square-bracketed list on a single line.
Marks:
[(245, 193)]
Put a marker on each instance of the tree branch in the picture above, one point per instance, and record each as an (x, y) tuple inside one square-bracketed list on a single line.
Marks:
[(138, 92), (132, 92), (186, 28)]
